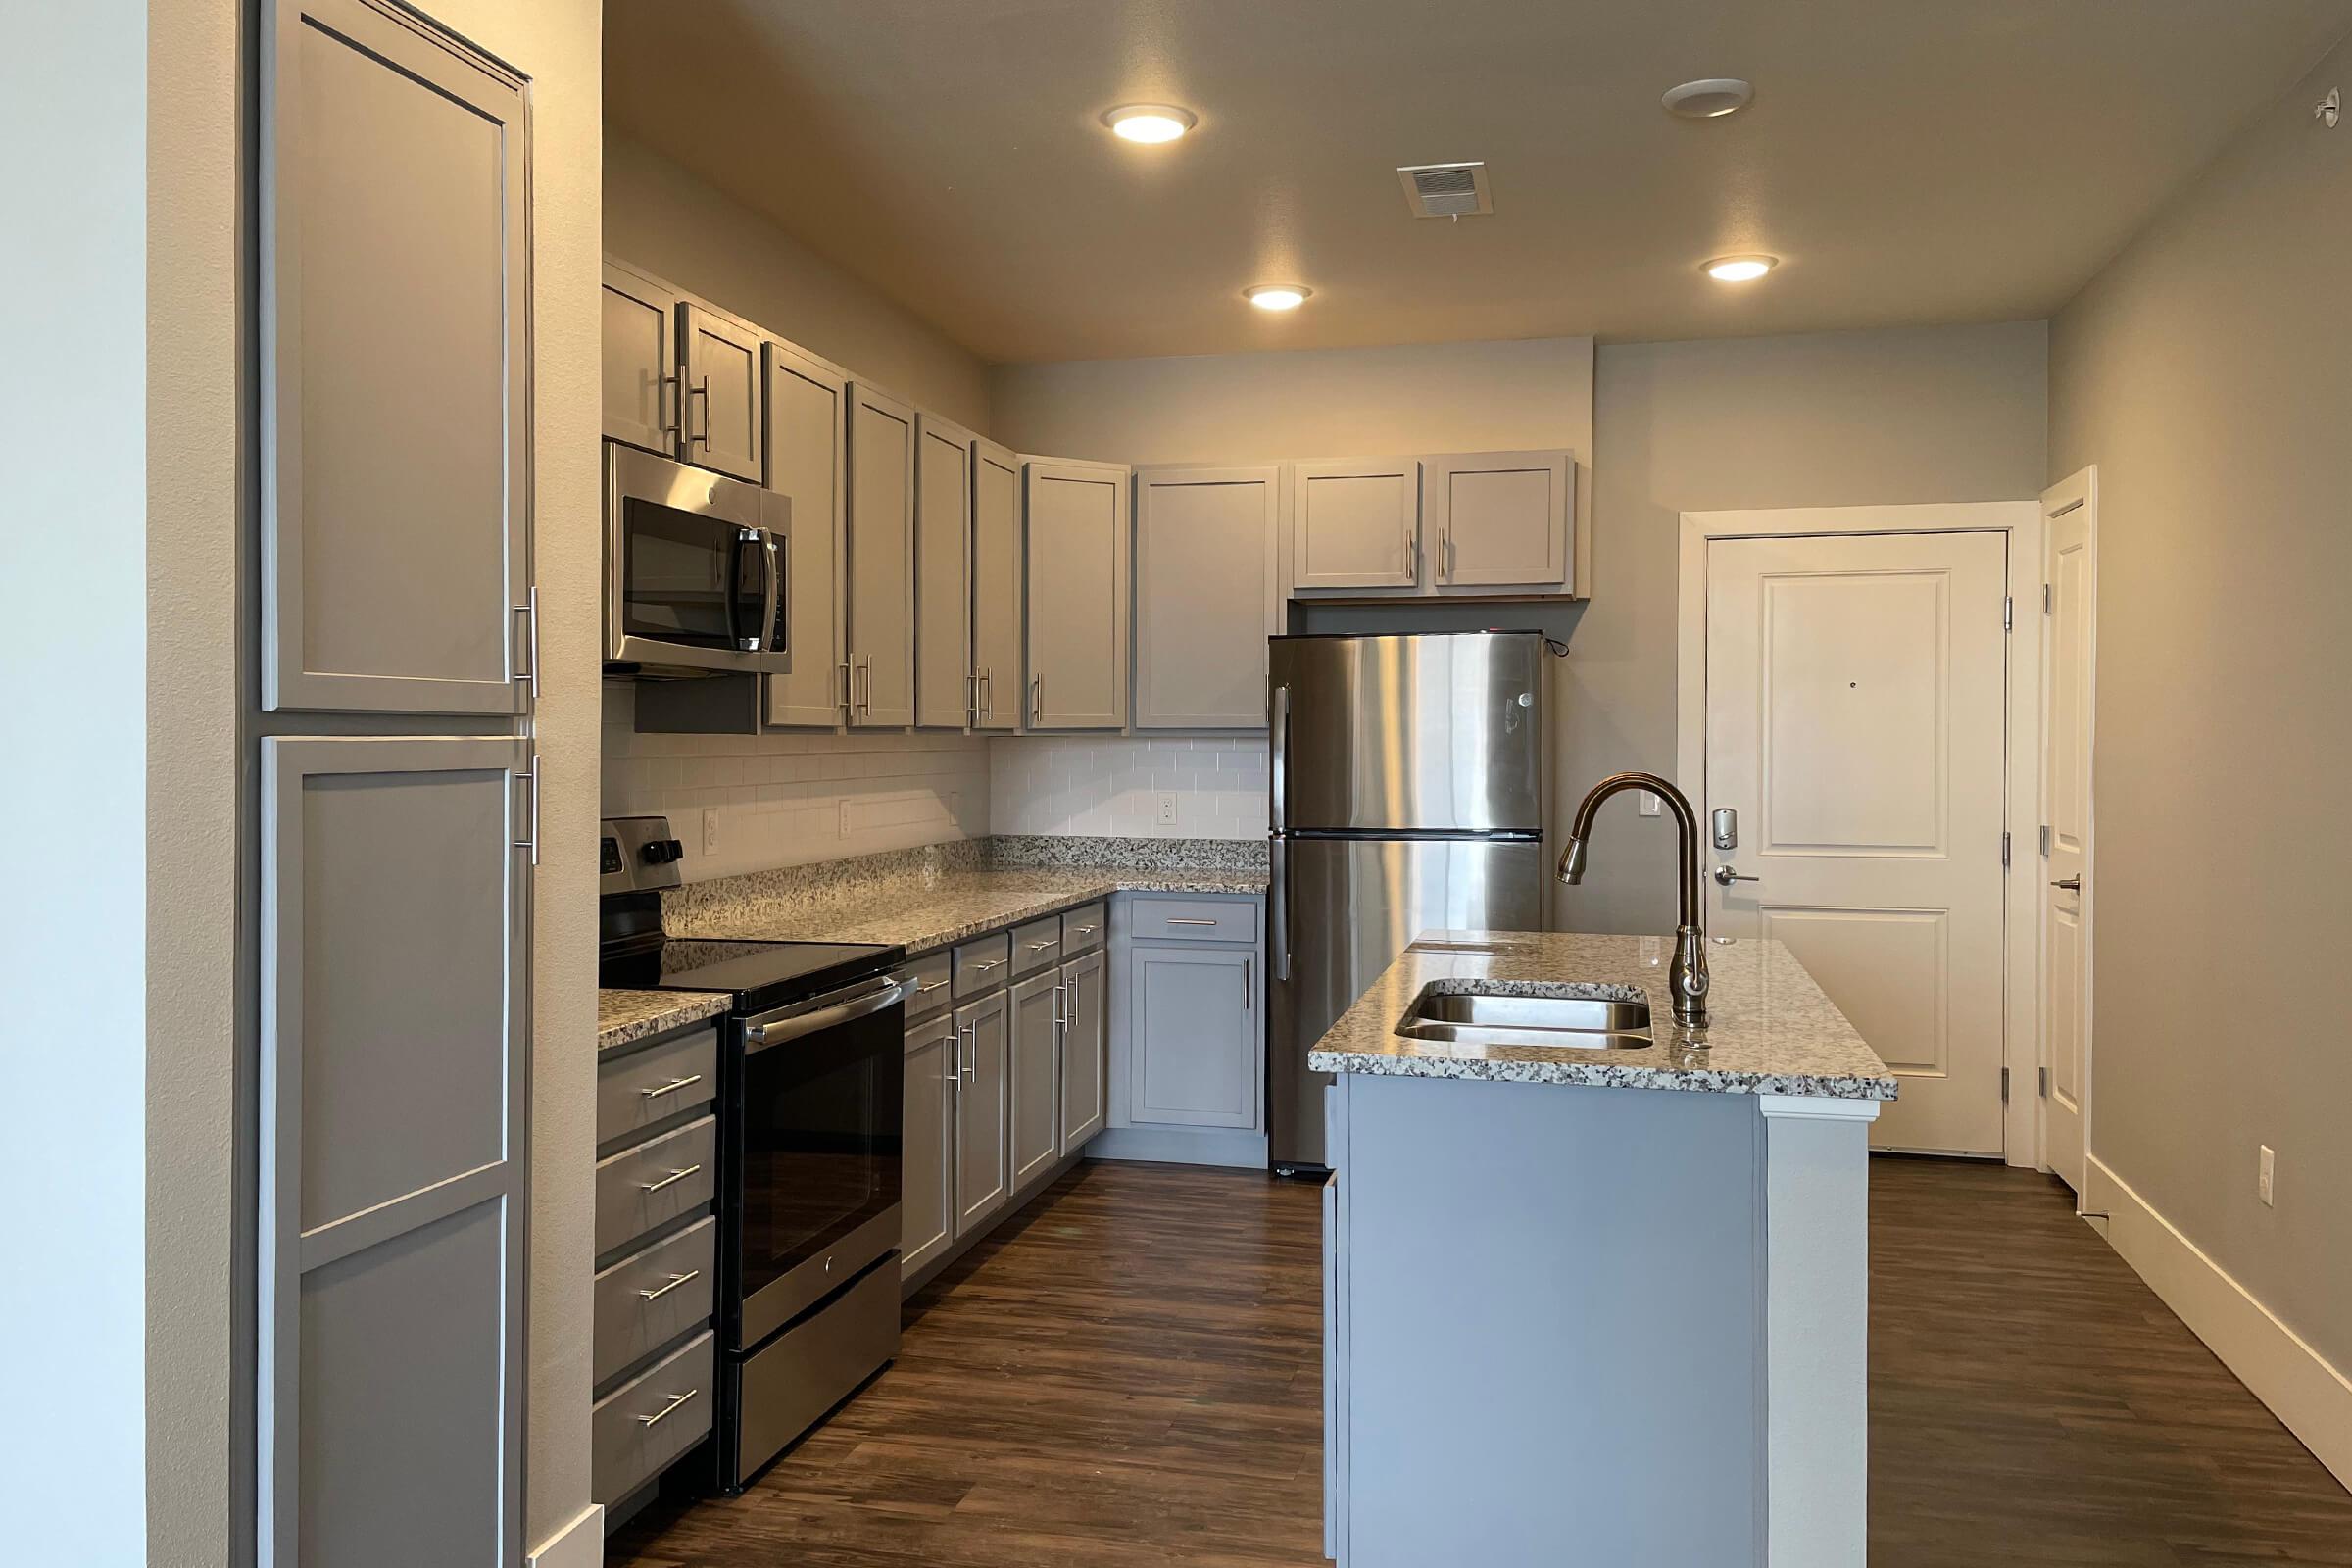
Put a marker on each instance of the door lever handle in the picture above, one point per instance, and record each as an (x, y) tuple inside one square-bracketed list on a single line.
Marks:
[(1726, 876), (2072, 884)]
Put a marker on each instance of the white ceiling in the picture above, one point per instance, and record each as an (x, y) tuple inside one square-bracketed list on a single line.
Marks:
[(1913, 161)]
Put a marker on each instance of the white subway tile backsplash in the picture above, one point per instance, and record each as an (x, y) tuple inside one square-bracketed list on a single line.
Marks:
[(1109, 786)]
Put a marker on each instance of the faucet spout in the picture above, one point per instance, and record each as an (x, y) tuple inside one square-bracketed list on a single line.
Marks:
[(1688, 976)]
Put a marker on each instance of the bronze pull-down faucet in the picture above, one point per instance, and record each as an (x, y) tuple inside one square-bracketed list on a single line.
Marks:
[(1688, 976)]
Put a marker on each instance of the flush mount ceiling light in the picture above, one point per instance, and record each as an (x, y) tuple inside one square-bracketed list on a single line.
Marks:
[(1277, 296), (1740, 268), (1149, 123), (1708, 99)]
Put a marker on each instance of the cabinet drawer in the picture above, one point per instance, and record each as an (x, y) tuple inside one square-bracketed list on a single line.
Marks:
[(654, 1182), (983, 964), (930, 975), (649, 1299), (1035, 946), (1084, 928), (652, 1419), (1194, 920), (654, 1084)]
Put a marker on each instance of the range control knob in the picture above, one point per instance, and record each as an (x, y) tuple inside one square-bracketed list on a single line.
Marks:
[(661, 852)]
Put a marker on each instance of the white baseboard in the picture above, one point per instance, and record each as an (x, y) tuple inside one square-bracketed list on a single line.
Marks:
[(2306, 1391), (1180, 1146), (578, 1545)]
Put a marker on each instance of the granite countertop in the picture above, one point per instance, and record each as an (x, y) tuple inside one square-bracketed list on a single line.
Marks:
[(947, 908), (624, 1017), (1769, 1029)]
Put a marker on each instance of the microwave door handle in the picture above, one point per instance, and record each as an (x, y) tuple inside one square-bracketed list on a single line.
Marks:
[(771, 641), (732, 584)]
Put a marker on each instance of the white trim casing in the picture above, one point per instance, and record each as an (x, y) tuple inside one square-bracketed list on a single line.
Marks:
[(578, 1545), (2306, 1391), (2021, 938)]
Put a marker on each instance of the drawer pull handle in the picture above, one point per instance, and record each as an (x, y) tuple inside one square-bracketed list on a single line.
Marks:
[(676, 1280), (1186, 919), (673, 1177), (1040, 947), (992, 964), (675, 1401), (1086, 930), (671, 1086), (927, 990)]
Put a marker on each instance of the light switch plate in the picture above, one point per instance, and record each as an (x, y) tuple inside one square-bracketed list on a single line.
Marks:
[(1651, 805), (2265, 1182)]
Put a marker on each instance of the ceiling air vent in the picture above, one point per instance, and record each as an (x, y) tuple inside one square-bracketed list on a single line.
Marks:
[(1445, 190)]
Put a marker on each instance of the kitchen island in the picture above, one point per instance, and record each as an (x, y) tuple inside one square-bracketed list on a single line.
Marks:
[(1587, 1305)]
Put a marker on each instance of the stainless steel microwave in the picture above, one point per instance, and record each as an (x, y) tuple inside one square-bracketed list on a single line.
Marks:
[(694, 569)]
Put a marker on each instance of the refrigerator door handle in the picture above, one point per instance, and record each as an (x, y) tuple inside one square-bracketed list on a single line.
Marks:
[(1278, 763), (1278, 918)]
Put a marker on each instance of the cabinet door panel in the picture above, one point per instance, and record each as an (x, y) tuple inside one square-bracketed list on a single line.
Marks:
[(807, 447), (395, 278), (640, 354), (881, 566), (927, 1187), (997, 586), (943, 573), (1076, 517), (1084, 1040), (1500, 518), (1204, 596), (1195, 1052), (982, 1155), (1355, 525), (722, 399), (392, 1174), (1035, 1043)]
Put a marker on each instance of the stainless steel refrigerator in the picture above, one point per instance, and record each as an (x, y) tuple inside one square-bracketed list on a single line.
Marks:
[(1408, 780)]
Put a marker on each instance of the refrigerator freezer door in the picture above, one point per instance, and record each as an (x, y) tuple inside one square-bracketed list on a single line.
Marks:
[(1433, 733), (1349, 906)]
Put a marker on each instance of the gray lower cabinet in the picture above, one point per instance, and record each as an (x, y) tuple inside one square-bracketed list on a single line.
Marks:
[(1084, 1092), (927, 1178), (1035, 1039), (641, 360), (808, 457), (1077, 592), (983, 1113), (1196, 1056), (657, 1294), (944, 684), (641, 1427), (880, 570), (721, 413), (1206, 594), (395, 279), (996, 587)]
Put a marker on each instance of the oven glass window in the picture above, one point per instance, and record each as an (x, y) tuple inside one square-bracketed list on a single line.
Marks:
[(687, 578), (821, 1142)]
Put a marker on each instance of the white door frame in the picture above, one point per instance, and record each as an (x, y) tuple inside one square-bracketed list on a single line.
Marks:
[(2021, 906)]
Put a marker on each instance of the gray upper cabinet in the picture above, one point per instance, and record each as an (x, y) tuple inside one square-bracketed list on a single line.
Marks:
[(1036, 1044), (641, 360), (721, 396), (1500, 519), (392, 1173), (807, 453), (395, 281), (1077, 588), (1085, 1068), (1205, 597), (881, 559), (1355, 525), (996, 587), (943, 682)]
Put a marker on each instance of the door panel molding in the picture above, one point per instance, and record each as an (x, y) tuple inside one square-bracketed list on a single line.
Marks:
[(2021, 522)]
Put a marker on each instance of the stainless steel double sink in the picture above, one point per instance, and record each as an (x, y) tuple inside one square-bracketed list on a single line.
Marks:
[(1488, 1017)]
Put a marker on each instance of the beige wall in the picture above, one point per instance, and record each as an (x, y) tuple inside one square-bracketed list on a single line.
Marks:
[(2204, 371), (1845, 418), (671, 223)]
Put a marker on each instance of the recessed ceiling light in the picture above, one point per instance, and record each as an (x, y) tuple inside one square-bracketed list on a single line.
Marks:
[(1740, 268), (1708, 99), (1277, 296), (1149, 123)]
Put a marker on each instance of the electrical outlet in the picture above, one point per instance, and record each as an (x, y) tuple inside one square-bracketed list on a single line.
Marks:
[(1651, 805), (2265, 1182), (710, 830), (1167, 809)]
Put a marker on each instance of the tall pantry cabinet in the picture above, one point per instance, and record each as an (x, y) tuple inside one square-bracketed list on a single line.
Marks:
[(396, 821)]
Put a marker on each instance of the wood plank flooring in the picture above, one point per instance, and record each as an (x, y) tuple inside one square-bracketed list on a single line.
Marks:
[(1128, 1376)]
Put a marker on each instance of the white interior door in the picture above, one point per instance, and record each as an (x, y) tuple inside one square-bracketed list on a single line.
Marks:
[(1857, 727), (2066, 710)]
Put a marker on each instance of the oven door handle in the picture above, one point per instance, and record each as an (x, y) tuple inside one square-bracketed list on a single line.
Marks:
[(889, 993)]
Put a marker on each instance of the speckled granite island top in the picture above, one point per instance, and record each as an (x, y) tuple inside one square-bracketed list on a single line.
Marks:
[(1769, 1029), (624, 1017)]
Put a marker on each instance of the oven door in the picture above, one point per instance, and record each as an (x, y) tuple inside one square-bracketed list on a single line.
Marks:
[(815, 1150), (693, 567)]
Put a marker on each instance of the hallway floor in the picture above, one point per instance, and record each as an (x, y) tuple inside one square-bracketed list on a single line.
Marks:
[(1128, 1374)]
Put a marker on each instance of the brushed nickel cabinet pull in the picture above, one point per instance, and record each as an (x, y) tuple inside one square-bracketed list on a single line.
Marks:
[(671, 1086), (662, 1414), (676, 1280), (671, 1179), (1186, 919)]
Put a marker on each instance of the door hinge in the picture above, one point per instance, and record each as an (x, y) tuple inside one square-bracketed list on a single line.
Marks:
[(2044, 845), (2004, 848), (2004, 1085), (2045, 1083), (2046, 599)]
